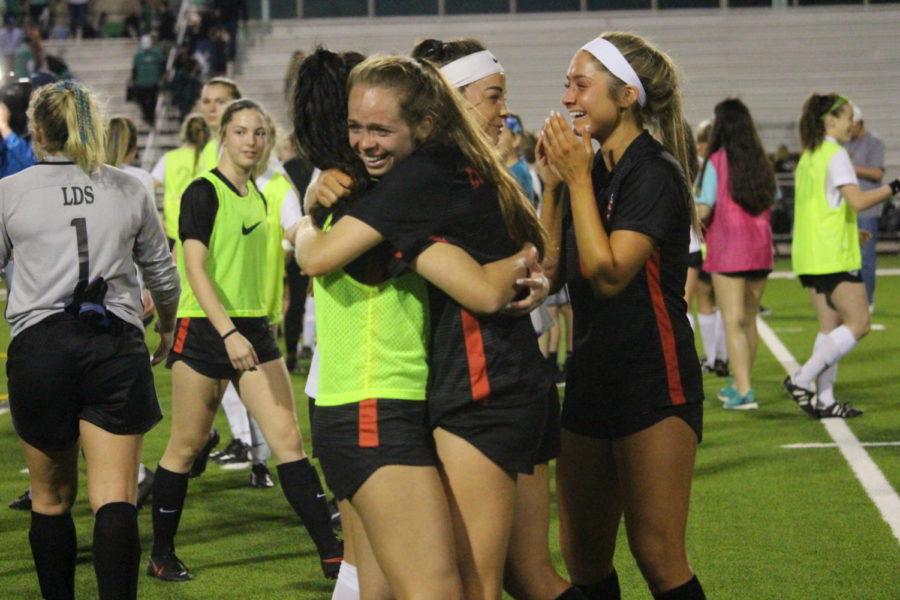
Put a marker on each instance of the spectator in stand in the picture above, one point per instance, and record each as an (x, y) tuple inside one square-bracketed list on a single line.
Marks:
[(15, 146), (77, 17), (508, 146), (229, 13), (185, 86), (39, 12), (867, 154), (149, 67), (10, 38), (165, 25)]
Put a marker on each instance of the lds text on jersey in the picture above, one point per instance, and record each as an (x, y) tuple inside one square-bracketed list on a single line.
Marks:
[(74, 195)]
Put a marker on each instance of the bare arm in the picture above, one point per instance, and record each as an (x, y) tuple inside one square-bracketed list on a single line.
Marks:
[(319, 252), (860, 200), (551, 217), (240, 351), (482, 289), (610, 262), (873, 174)]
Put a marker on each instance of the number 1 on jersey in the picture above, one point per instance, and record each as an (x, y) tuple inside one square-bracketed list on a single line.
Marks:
[(80, 225)]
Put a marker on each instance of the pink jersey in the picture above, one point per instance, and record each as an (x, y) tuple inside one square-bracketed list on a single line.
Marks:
[(735, 240)]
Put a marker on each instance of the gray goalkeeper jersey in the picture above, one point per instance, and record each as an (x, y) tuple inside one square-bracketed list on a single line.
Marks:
[(65, 225)]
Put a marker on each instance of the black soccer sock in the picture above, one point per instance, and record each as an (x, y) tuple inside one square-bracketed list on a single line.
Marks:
[(607, 589), (117, 551), (553, 359), (169, 492), (573, 593), (53, 546), (692, 590), (303, 490)]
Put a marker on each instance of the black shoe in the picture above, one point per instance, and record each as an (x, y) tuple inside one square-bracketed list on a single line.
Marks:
[(145, 487), (764, 312), (802, 396), (291, 362), (305, 352), (838, 410), (335, 515), (199, 465), (721, 368), (331, 561), (23, 502), (168, 568), (260, 477), (236, 451)]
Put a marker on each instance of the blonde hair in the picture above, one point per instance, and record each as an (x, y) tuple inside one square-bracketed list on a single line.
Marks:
[(195, 131), (423, 92), (271, 139), (72, 123), (121, 140), (663, 112), (658, 73)]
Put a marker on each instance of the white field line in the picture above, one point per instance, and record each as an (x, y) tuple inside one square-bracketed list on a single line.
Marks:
[(867, 472), (822, 445)]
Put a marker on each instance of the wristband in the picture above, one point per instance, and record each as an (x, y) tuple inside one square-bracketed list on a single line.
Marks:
[(229, 333), (895, 187)]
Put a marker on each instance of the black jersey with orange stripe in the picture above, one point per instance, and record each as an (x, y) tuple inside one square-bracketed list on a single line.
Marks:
[(434, 196), (634, 352)]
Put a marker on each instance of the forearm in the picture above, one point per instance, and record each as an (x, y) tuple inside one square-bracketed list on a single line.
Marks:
[(551, 219), (594, 249), (482, 289), (873, 174), (205, 292), (166, 313), (860, 201)]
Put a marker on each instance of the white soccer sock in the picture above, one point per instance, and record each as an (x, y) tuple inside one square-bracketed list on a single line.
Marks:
[(238, 420), (691, 322), (825, 381), (347, 585), (259, 449), (142, 473), (721, 346), (708, 335), (826, 353), (309, 323)]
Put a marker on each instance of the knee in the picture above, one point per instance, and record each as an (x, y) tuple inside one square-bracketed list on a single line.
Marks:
[(661, 561), (54, 502), (861, 328)]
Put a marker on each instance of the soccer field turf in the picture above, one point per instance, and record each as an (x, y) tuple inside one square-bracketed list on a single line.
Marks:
[(766, 521)]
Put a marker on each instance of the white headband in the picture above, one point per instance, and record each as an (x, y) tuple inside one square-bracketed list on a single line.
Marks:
[(471, 68), (610, 57)]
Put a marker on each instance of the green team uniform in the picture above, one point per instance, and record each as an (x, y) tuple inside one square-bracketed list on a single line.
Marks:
[(275, 191), (237, 245), (371, 338), (825, 239), (181, 170)]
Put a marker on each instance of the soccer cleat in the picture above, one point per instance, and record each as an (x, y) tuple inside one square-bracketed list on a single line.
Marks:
[(802, 396), (838, 410), (144, 489), (23, 502), (331, 561), (199, 465), (720, 367), (235, 452), (728, 392), (168, 568), (764, 311), (745, 402), (260, 477)]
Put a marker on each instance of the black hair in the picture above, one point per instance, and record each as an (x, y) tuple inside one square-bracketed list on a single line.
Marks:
[(443, 53), (751, 180), (319, 115), (16, 96)]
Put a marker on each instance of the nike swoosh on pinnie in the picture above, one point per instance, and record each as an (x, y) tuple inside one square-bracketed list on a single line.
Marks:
[(246, 230)]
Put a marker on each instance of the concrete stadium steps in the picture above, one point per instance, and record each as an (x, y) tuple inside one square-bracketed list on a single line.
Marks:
[(772, 59)]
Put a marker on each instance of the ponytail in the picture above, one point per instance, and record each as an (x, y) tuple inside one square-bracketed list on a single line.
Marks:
[(72, 124), (121, 140), (195, 131), (812, 121)]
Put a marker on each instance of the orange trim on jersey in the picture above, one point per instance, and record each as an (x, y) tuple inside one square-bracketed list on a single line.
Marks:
[(181, 335), (666, 333), (368, 423), (478, 375)]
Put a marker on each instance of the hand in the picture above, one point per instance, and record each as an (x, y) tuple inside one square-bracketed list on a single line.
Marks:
[(162, 351), (241, 353), (328, 189), (571, 157), (864, 237), (548, 174), (536, 282)]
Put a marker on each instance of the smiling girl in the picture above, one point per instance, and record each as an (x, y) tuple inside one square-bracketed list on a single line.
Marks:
[(223, 335), (632, 414), (825, 249)]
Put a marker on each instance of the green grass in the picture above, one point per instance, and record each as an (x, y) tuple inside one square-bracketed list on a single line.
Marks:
[(766, 522)]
